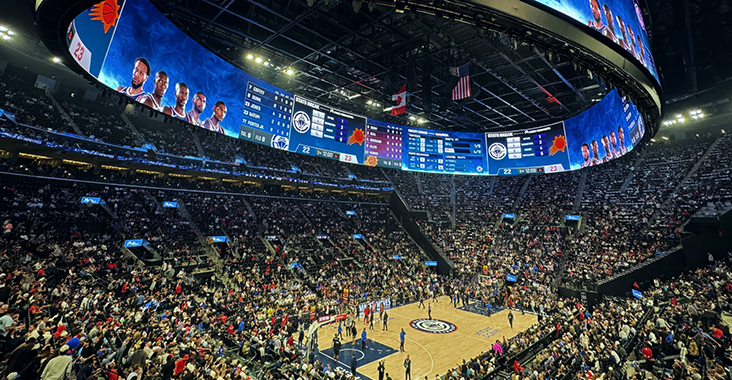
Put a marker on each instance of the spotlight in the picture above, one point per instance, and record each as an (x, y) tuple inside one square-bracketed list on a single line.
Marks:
[(5, 37), (266, 63), (412, 118), (250, 57), (11, 33), (56, 60), (258, 60), (3, 28), (289, 71), (369, 102)]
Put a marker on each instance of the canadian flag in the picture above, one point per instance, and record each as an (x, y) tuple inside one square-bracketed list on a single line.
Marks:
[(401, 101)]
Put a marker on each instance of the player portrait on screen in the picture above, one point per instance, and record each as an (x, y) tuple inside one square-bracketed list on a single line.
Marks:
[(624, 41), (199, 104), (154, 99), (140, 73), (181, 98), (641, 50), (621, 139), (606, 145), (586, 155), (595, 153), (213, 123), (614, 145), (596, 22), (610, 24), (631, 41)]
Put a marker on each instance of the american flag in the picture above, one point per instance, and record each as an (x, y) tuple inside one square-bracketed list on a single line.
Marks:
[(462, 90)]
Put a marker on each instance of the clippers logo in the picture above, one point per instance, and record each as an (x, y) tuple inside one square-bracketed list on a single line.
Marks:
[(280, 142), (301, 121), (433, 326), (497, 151)]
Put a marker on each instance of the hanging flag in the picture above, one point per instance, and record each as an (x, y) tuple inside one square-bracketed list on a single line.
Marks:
[(462, 90), (401, 101)]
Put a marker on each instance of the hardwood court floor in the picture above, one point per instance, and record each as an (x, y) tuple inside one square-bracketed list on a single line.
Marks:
[(430, 353)]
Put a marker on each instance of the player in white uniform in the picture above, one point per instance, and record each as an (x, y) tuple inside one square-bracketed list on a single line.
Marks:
[(614, 145), (621, 139), (586, 154), (140, 73), (596, 23), (181, 98), (199, 104), (213, 123), (154, 100)]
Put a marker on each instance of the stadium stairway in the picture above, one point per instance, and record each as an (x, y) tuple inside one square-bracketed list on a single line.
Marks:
[(629, 178), (137, 136), (521, 193), (580, 191), (199, 147), (685, 180), (64, 114)]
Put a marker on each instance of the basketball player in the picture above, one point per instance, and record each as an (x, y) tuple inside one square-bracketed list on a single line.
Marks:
[(596, 22), (621, 138), (140, 73), (610, 31), (429, 311), (213, 123), (631, 41), (181, 98), (606, 145), (595, 153), (199, 104), (586, 155), (641, 50), (614, 145), (621, 24), (154, 100)]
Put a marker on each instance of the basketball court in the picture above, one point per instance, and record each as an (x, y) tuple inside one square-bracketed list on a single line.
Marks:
[(434, 346)]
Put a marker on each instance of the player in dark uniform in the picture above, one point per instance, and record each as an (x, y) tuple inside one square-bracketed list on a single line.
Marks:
[(610, 31), (213, 123), (199, 104), (595, 153), (606, 145), (586, 155), (154, 100), (614, 145), (596, 22), (621, 139), (181, 98), (140, 73)]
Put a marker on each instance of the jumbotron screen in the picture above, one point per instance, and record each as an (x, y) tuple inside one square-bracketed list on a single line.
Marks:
[(621, 21), (134, 49)]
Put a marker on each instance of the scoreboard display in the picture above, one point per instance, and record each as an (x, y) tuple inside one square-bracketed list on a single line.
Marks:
[(383, 144), (266, 115), (443, 152), (321, 131), (108, 43), (528, 151)]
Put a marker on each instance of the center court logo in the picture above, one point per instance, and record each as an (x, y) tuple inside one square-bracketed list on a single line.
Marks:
[(301, 121), (497, 151), (433, 326)]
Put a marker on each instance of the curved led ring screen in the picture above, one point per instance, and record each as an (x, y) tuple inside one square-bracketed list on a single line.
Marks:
[(621, 21), (132, 48)]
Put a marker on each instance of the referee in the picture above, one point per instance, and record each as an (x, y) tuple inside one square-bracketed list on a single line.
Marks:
[(407, 368)]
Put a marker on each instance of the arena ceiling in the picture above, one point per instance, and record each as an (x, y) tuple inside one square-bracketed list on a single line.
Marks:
[(353, 54)]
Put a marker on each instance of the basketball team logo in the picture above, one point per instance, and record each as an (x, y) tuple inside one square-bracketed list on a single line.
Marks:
[(280, 142), (433, 326), (497, 151), (301, 121), (107, 12)]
